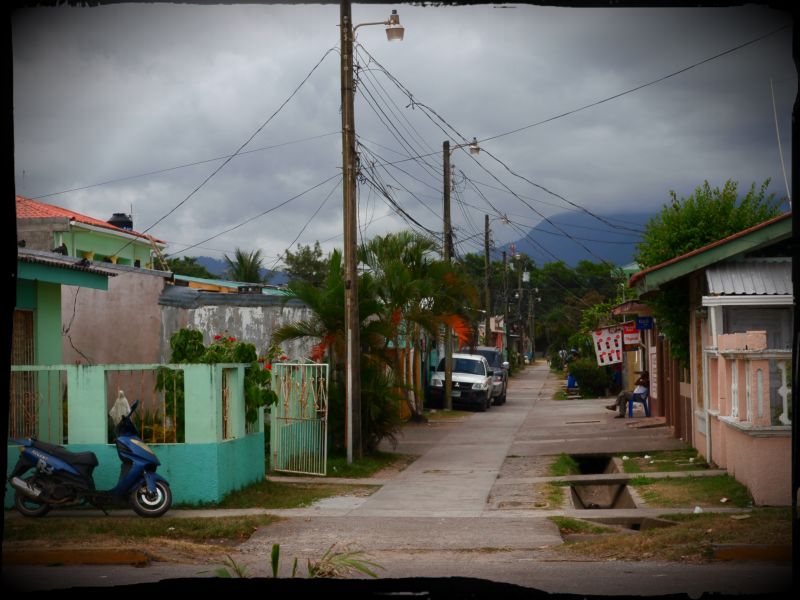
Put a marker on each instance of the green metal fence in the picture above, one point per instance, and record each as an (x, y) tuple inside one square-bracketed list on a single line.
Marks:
[(299, 420)]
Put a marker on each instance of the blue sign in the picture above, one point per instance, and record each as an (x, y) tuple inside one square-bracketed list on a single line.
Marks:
[(644, 323)]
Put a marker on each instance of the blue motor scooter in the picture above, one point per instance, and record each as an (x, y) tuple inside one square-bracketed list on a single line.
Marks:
[(63, 478)]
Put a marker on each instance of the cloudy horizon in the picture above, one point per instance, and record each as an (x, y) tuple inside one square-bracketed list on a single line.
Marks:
[(112, 93)]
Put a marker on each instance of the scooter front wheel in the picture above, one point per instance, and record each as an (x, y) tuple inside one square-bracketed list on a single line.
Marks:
[(28, 506), (154, 504)]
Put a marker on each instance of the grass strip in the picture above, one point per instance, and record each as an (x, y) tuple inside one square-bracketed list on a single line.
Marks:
[(687, 492)]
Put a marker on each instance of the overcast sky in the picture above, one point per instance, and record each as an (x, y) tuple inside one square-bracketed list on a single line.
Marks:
[(117, 91)]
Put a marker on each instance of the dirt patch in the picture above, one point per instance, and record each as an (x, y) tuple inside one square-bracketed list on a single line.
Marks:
[(525, 466), (523, 496), (693, 539), (156, 549)]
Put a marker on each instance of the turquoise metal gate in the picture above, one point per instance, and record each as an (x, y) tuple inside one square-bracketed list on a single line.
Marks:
[(299, 420)]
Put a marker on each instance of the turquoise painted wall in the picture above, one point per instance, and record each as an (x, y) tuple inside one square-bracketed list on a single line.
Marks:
[(106, 245), (47, 350), (197, 473), (201, 471), (47, 324), (26, 294)]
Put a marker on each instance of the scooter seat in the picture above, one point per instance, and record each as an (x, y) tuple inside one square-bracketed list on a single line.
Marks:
[(88, 459)]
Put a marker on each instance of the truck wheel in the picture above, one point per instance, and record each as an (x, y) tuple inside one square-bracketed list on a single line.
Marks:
[(151, 505)]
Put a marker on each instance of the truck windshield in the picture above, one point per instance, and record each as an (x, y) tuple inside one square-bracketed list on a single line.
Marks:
[(464, 365)]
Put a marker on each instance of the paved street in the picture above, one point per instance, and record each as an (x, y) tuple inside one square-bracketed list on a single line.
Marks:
[(467, 507)]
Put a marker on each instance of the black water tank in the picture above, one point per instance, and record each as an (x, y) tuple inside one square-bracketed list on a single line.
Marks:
[(121, 220)]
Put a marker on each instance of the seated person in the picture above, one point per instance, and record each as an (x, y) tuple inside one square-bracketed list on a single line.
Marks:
[(642, 387)]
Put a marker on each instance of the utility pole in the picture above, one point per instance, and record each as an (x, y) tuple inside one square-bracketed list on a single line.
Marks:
[(351, 318), (487, 283), (534, 298), (520, 327), (530, 326), (505, 306), (448, 342)]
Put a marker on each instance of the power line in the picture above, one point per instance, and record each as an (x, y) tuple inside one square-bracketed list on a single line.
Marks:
[(427, 110), (311, 218), (639, 87), (231, 157), (581, 238), (399, 112), (383, 190), (412, 194), (253, 218), (541, 187), (192, 164), (255, 133)]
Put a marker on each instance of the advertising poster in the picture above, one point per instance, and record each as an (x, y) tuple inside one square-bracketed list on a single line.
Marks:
[(608, 345), (630, 335)]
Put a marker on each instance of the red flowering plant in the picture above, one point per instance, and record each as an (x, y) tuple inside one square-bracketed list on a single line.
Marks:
[(274, 353), (187, 347)]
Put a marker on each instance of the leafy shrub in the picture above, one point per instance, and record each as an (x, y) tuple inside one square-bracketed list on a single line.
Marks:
[(188, 348), (592, 379)]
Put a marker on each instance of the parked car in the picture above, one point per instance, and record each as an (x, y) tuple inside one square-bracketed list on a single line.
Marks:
[(472, 382), (498, 367)]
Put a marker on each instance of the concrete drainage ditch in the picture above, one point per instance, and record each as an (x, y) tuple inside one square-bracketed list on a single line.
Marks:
[(604, 494)]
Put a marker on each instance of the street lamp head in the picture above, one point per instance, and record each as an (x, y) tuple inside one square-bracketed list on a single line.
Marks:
[(473, 147), (394, 31)]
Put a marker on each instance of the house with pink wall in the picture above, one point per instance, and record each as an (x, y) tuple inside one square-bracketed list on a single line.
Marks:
[(741, 309)]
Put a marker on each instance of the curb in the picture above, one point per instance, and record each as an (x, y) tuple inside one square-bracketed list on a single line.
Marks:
[(76, 556), (767, 552)]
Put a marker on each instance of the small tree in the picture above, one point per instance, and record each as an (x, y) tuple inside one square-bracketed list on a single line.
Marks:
[(307, 264), (690, 223), (188, 348), (706, 216), (187, 265)]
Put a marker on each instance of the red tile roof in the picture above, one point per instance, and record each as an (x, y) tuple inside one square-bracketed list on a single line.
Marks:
[(31, 209)]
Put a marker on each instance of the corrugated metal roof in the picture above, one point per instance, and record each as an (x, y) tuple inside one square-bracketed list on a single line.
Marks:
[(60, 261), (265, 288), (186, 297), (751, 277)]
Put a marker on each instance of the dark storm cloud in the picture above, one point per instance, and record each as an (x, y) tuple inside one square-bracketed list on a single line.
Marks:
[(108, 92)]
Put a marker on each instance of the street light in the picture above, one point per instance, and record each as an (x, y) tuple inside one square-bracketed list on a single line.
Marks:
[(394, 31), (474, 149)]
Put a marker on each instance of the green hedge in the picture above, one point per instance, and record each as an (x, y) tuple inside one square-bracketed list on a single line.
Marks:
[(592, 379)]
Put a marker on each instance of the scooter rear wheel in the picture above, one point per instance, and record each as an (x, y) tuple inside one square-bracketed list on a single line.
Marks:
[(28, 506), (151, 505)]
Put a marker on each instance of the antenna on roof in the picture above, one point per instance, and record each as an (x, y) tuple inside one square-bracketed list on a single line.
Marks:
[(780, 150)]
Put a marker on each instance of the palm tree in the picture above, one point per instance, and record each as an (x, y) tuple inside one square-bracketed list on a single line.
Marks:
[(402, 290), (416, 292), (245, 266), (327, 325)]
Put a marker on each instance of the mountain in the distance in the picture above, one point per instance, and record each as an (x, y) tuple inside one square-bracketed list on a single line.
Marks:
[(613, 241), (218, 268)]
